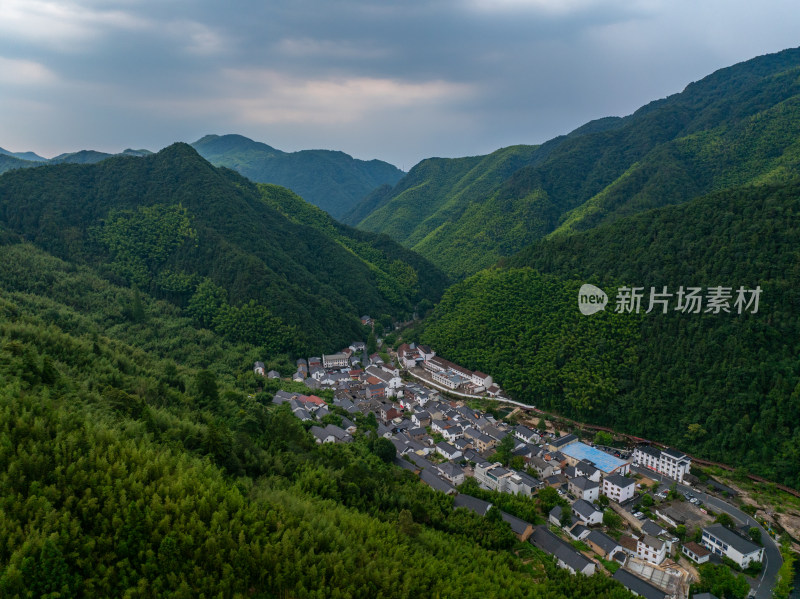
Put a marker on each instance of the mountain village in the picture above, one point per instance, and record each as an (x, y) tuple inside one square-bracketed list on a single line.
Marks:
[(418, 402)]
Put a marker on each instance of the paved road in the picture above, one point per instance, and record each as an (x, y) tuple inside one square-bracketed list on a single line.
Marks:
[(772, 557)]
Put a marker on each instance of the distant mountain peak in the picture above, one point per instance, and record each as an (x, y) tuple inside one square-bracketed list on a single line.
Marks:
[(231, 142), (329, 179), (32, 156)]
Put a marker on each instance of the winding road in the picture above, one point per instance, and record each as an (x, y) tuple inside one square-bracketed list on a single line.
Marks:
[(762, 587)]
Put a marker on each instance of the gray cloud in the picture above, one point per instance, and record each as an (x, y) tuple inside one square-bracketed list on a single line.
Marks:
[(399, 81)]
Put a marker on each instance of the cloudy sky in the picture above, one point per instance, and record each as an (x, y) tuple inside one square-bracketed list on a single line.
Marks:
[(394, 80)]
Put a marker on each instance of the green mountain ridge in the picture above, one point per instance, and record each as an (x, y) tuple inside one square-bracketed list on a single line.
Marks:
[(31, 156), (439, 192), (142, 457), (206, 239), (332, 180), (737, 126), (722, 386)]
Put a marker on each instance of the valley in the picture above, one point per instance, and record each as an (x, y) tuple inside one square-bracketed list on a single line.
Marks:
[(560, 370)]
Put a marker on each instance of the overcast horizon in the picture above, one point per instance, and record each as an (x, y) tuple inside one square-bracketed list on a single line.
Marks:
[(399, 82)]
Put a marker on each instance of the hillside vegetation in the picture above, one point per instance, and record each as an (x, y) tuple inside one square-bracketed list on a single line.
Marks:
[(214, 244), (332, 180), (724, 386), (139, 458), (738, 126)]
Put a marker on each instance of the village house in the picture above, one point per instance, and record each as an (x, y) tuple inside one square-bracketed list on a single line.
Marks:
[(481, 380), (587, 512), (519, 527), (721, 540), (452, 433), (565, 555), (421, 418), (602, 544), (578, 532), (481, 441), (258, 368), (429, 478), (638, 586), (696, 552), (377, 391), (392, 381), (585, 469), (583, 488), (453, 473), (448, 451), (473, 504), (525, 434), (554, 516), (543, 469), (651, 549), (618, 488)]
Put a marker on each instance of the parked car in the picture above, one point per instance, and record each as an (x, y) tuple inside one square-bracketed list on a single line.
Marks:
[(639, 516)]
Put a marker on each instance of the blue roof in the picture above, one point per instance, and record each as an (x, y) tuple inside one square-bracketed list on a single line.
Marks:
[(580, 451)]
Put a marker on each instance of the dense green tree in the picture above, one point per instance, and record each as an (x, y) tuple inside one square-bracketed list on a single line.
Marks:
[(205, 383), (755, 533), (384, 449), (720, 581), (603, 438)]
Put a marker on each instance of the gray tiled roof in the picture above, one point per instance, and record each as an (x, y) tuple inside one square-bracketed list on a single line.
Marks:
[(430, 479), (584, 508), (518, 525), (479, 506), (637, 585), (620, 481), (729, 537), (550, 543), (602, 540)]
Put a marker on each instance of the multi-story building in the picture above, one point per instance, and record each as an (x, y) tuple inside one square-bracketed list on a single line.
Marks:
[(583, 488), (339, 360), (669, 462), (724, 541), (618, 488), (651, 549)]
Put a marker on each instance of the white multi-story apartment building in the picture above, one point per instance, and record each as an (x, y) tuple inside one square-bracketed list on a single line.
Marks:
[(651, 549), (669, 462), (618, 488), (339, 360)]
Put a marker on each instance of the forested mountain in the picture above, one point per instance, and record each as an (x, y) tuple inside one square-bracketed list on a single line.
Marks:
[(724, 386), (15, 160), (10, 162), (139, 458), (740, 125), (23, 155), (211, 242), (334, 181), (426, 209)]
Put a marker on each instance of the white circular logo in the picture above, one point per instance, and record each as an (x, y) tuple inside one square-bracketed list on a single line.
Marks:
[(591, 299)]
